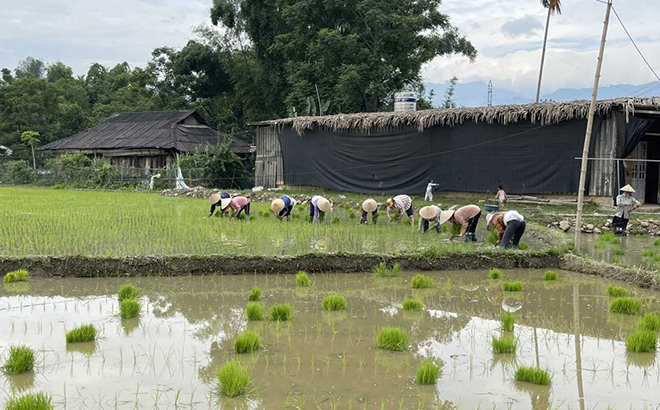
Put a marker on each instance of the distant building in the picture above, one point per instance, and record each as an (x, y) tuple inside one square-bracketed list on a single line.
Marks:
[(145, 140)]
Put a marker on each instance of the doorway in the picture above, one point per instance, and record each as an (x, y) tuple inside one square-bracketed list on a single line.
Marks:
[(639, 170)]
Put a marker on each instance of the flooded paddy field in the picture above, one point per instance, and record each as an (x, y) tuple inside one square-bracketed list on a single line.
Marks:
[(633, 250), (168, 357)]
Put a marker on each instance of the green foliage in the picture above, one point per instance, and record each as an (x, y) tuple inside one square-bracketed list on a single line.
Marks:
[(427, 372), (650, 323), (508, 320), (610, 237), (420, 281), (492, 238), (247, 343), (128, 291), (20, 275), (302, 279), (31, 401), (129, 308), (495, 274), (281, 313), (626, 306), (255, 294), (656, 242), (17, 172), (550, 275), (233, 379), (618, 251), (392, 338), (254, 311), (600, 245), (648, 253), (351, 214), (334, 302), (512, 286), (86, 333), (642, 341), (384, 272), (504, 344), (533, 375), (20, 360), (220, 167), (523, 246), (413, 305), (616, 291)]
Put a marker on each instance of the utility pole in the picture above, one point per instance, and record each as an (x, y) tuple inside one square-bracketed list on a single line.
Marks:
[(590, 125)]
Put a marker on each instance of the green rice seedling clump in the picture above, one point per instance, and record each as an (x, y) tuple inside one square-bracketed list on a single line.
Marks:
[(649, 323), (128, 291), (533, 375), (254, 311), (281, 313), (656, 242), (20, 360), (384, 272), (255, 294), (86, 333), (523, 246), (334, 302), (129, 308), (233, 379), (626, 306), (504, 344), (495, 274), (492, 238), (351, 214), (648, 253), (550, 275), (32, 401), (616, 291), (20, 275), (618, 251), (420, 281), (641, 342), (302, 279), (427, 372), (392, 338), (609, 237), (414, 305), (512, 286), (600, 245), (248, 342), (508, 320)]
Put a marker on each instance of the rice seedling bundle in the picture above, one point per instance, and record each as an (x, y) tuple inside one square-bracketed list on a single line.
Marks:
[(384, 272), (427, 373), (302, 279), (20, 360), (523, 246), (420, 281), (334, 302), (254, 311), (281, 313), (609, 237), (495, 274), (626, 306), (642, 341), (512, 286), (508, 320), (550, 275), (533, 375), (20, 275), (414, 305), (618, 251), (86, 333), (648, 253), (392, 338), (128, 291), (650, 323), (129, 308), (504, 344), (233, 379), (616, 291), (31, 401), (255, 294), (248, 342)]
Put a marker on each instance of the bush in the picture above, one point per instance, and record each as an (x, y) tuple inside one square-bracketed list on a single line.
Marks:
[(18, 172), (412, 304), (495, 274), (392, 338), (512, 286), (616, 291), (20, 275), (32, 401), (233, 379), (427, 372), (641, 342), (550, 275), (20, 360), (626, 306), (504, 344), (254, 311), (255, 294), (81, 334), (219, 165), (128, 292), (248, 342), (302, 279), (508, 320), (420, 281), (649, 323), (334, 302), (129, 308), (384, 272), (281, 312), (533, 375)]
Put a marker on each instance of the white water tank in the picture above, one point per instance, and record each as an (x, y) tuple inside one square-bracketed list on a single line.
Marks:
[(405, 101)]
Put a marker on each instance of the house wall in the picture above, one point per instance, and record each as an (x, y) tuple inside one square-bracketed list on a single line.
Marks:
[(603, 173), (268, 166)]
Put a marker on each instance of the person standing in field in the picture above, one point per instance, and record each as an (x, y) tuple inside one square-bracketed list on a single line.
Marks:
[(282, 207), (318, 207), (401, 204), (501, 196), (236, 205), (427, 215), (510, 228), (215, 201), (466, 217), (369, 206), (625, 204), (429, 191)]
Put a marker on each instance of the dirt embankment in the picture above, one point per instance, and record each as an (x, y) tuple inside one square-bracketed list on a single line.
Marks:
[(640, 277)]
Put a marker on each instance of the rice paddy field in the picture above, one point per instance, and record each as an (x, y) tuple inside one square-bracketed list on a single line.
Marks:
[(633, 251), (168, 357)]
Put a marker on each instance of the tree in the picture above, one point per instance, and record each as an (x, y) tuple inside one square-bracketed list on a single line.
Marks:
[(553, 6), (449, 93), (30, 138), (30, 67)]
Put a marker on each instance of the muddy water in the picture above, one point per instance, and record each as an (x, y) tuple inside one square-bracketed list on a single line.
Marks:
[(627, 252), (168, 357)]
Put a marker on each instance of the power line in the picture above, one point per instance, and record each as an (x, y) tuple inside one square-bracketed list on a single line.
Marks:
[(635, 44)]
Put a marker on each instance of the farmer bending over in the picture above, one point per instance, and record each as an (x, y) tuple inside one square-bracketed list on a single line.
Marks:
[(369, 206), (318, 207), (466, 217), (402, 204), (237, 205), (510, 228), (215, 201), (283, 207), (427, 215)]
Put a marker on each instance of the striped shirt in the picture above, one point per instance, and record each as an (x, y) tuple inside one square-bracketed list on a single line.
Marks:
[(401, 204)]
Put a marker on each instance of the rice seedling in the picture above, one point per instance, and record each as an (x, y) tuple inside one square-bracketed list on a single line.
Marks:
[(512, 286), (81, 334), (384, 272), (129, 308), (523, 246), (610, 237), (414, 305), (641, 342), (504, 344), (648, 253), (302, 279), (618, 251), (128, 291), (233, 379), (492, 238), (616, 291), (392, 338), (427, 372), (533, 375), (248, 342), (495, 274), (550, 275), (281, 312), (600, 245), (20, 360), (508, 320), (626, 306), (420, 281), (656, 242), (254, 311), (31, 401), (20, 275), (255, 294), (351, 214), (334, 302), (649, 323)]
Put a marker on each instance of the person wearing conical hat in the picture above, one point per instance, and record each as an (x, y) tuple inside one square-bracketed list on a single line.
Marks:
[(466, 217), (427, 215), (369, 206), (282, 207), (236, 206), (403, 205), (625, 204), (215, 201), (318, 207), (510, 228)]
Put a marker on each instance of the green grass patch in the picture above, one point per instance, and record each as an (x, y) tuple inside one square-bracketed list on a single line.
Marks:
[(618, 251), (550, 275), (384, 272), (302, 279), (86, 333), (656, 242), (600, 245), (617, 291), (255, 294), (508, 321), (649, 323), (254, 311), (512, 286), (20, 275), (281, 313), (648, 253), (427, 372), (392, 338), (233, 379), (334, 302), (641, 342), (533, 375), (504, 344), (32, 401), (610, 237), (129, 308), (420, 281), (495, 274), (414, 305), (248, 342), (20, 360), (523, 246), (626, 306), (128, 291)]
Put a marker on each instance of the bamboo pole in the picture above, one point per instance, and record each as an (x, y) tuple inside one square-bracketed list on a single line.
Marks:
[(545, 44), (590, 125)]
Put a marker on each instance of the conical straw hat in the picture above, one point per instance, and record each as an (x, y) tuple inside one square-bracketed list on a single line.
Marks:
[(213, 199), (369, 205), (224, 203), (323, 205), (428, 212), (627, 188), (446, 215), (277, 205), (489, 218)]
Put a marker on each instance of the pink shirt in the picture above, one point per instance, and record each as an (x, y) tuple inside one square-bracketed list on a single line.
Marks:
[(463, 215), (238, 202)]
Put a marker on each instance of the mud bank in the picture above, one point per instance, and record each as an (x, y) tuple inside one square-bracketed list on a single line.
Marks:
[(640, 277)]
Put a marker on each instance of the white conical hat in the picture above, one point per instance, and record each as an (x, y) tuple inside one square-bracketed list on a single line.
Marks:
[(429, 212), (213, 199), (489, 218), (323, 205), (627, 188), (446, 215), (369, 205), (224, 203), (277, 205)]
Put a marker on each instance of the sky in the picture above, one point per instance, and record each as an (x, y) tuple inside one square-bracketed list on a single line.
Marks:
[(508, 35)]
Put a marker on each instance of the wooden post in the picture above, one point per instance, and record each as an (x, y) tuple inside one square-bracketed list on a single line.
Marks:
[(545, 43), (590, 125)]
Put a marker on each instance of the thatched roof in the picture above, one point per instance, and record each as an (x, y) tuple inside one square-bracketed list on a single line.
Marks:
[(544, 113)]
